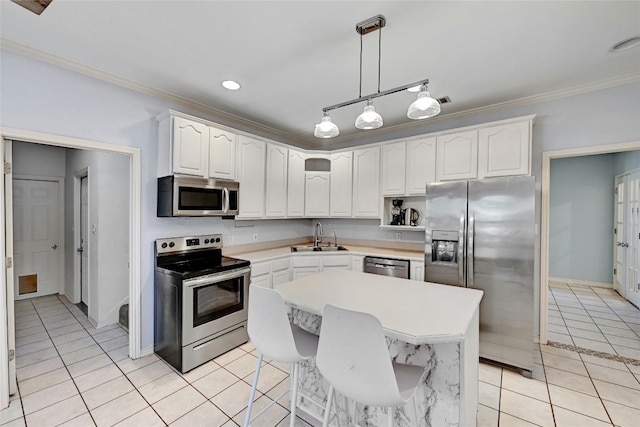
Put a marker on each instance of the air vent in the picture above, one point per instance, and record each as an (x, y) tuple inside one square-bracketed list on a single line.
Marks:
[(444, 100)]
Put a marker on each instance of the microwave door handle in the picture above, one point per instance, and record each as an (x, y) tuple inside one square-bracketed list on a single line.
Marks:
[(225, 200)]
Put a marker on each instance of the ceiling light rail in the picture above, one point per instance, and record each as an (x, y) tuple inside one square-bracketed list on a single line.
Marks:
[(423, 107)]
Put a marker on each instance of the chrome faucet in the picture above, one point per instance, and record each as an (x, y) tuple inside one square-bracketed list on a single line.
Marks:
[(317, 238)]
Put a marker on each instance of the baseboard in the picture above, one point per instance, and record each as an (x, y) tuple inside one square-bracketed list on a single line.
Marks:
[(581, 282), (146, 351)]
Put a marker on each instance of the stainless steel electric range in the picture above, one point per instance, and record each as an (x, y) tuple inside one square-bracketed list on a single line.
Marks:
[(201, 300)]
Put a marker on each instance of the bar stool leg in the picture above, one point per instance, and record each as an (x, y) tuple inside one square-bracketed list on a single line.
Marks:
[(390, 416), (327, 411), (294, 393), (247, 417)]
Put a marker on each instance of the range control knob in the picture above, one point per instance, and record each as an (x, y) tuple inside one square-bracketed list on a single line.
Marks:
[(206, 241), (164, 246), (171, 244), (217, 240)]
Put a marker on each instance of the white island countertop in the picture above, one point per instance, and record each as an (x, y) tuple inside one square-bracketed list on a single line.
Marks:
[(409, 310)]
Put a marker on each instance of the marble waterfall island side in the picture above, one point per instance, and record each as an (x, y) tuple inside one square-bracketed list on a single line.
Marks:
[(426, 324)]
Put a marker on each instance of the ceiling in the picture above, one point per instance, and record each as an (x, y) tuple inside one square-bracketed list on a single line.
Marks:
[(294, 58)]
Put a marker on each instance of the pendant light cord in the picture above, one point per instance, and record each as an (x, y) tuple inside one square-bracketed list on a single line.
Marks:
[(379, 54), (360, 93)]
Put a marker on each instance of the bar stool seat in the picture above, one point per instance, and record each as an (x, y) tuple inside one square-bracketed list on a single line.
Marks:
[(353, 357), (276, 338)]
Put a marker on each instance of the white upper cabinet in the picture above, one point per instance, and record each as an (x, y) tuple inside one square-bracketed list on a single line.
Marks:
[(504, 150), (222, 154), (317, 190), (394, 157), (251, 174), (295, 184), (457, 156), (366, 183), (190, 147), (341, 184), (276, 196), (421, 165)]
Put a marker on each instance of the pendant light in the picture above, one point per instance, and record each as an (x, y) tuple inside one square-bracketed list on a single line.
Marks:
[(369, 119), (423, 107), (326, 128)]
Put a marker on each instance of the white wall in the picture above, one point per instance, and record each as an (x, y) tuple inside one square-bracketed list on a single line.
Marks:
[(41, 97), (38, 160), (581, 206), (626, 161), (108, 240)]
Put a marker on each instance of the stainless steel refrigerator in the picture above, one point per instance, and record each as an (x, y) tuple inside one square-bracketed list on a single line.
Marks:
[(480, 234)]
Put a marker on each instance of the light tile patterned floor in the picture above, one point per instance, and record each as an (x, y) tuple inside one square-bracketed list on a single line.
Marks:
[(72, 374)]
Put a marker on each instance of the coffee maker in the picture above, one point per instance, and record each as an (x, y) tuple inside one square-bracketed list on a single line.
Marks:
[(397, 217)]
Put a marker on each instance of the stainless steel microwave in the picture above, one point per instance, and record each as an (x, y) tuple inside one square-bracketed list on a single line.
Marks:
[(192, 196)]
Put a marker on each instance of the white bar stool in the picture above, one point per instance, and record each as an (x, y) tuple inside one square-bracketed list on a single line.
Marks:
[(353, 357), (276, 338)]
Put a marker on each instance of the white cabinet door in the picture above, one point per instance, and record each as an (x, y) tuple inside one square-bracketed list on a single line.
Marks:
[(336, 262), (504, 150), (263, 281), (190, 147), (357, 262), (316, 194), (276, 203), (251, 174), (417, 270), (457, 156), (366, 183), (393, 169), (421, 165), (295, 184), (341, 184), (299, 272), (222, 154), (280, 277)]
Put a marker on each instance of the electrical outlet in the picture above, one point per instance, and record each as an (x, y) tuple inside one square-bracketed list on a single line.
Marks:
[(230, 240), (255, 237), (398, 236)]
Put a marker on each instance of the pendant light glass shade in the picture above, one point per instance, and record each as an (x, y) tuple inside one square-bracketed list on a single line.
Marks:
[(423, 107), (326, 128), (369, 119)]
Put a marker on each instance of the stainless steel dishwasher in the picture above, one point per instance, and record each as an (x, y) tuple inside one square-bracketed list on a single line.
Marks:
[(387, 267)]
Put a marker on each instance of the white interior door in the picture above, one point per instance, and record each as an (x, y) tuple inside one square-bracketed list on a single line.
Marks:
[(84, 235), (37, 263), (632, 238), (620, 273)]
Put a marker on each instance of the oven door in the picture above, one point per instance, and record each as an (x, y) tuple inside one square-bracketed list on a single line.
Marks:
[(213, 303)]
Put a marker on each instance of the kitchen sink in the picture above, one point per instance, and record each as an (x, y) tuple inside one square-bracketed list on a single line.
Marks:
[(311, 248)]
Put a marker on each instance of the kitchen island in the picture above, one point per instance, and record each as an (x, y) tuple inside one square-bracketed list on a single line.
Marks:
[(426, 324)]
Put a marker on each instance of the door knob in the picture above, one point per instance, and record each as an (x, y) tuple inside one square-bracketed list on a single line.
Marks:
[(54, 246), (80, 250)]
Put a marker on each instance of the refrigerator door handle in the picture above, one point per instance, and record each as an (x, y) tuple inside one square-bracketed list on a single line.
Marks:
[(470, 250), (461, 251)]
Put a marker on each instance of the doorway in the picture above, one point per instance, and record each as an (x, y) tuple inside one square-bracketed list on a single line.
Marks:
[(81, 206), (6, 249), (545, 214)]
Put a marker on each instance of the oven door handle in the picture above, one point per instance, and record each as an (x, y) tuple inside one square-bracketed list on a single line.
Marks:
[(207, 280)]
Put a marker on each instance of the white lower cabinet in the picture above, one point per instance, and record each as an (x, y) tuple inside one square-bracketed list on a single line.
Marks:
[(261, 274), (280, 271), (357, 263), (303, 266), (336, 262), (417, 270)]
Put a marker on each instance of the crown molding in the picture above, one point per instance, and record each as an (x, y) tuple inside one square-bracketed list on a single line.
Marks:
[(310, 142), (520, 102), (147, 90)]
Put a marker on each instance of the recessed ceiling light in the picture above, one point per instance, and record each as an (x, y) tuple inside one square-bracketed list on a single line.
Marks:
[(626, 44), (414, 89), (231, 85)]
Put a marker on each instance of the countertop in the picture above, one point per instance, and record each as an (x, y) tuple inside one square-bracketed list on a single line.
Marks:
[(409, 310), (269, 254)]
